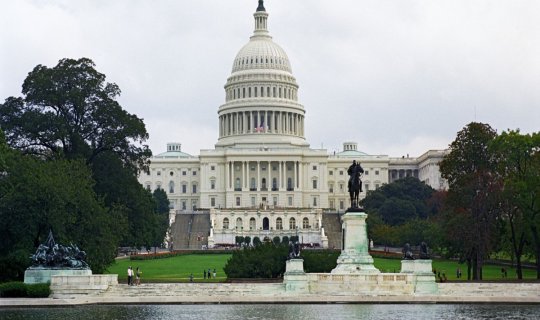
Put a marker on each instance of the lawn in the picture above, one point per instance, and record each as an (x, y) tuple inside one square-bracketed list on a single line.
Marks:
[(179, 268), (175, 269)]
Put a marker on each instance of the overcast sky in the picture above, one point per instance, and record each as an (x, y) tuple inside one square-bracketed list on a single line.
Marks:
[(398, 77)]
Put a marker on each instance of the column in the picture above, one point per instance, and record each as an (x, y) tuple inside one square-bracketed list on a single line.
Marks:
[(300, 175), (226, 175), (280, 180), (294, 175), (258, 183), (269, 181)]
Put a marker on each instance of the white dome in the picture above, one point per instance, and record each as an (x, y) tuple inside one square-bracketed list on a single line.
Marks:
[(261, 53)]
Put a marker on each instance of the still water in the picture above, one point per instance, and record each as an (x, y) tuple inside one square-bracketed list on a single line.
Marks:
[(276, 311)]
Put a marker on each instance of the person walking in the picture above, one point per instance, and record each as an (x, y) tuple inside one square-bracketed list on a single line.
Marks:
[(138, 274), (214, 273), (129, 275), (209, 274), (204, 274)]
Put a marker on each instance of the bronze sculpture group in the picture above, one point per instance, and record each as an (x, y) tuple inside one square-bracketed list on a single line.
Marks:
[(50, 255)]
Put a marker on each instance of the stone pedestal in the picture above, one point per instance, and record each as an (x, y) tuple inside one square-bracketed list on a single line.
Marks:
[(324, 239), (42, 275), (295, 279), (355, 258), (424, 278)]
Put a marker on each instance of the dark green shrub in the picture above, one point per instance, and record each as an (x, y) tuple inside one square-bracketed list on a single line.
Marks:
[(239, 240), (256, 241), (12, 290), (38, 290), (285, 240), (320, 261), (247, 240), (276, 240), (294, 239), (263, 261)]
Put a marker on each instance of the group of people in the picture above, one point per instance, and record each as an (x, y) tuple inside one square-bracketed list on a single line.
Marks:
[(137, 274), (208, 274)]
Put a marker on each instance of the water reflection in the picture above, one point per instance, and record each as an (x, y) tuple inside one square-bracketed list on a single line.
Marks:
[(277, 311)]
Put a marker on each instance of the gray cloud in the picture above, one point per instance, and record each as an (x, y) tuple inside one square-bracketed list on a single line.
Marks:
[(406, 75)]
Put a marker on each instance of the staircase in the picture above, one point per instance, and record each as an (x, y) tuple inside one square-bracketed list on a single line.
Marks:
[(332, 229), (190, 231)]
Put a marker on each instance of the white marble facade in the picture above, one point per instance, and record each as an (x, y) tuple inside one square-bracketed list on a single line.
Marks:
[(262, 159)]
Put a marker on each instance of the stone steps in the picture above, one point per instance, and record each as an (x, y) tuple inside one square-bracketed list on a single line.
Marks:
[(194, 289)]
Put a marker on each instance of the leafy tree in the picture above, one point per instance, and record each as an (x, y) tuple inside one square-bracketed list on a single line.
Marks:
[(69, 110), (263, 261), (518, 164), (276, 240), (473, 193), (247, 240), (37, 196), (285, 240), (256, 241), (161, 200)]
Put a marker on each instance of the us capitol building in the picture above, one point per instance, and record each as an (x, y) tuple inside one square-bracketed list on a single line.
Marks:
[(263, 179)]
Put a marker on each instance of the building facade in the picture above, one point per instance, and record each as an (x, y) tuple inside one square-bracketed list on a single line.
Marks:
[(263, 179)]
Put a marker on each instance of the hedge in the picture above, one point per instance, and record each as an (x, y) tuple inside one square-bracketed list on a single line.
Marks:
[(22, 290), (153, 256)]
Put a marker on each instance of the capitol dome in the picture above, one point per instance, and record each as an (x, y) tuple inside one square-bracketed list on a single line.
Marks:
[(261, 96)]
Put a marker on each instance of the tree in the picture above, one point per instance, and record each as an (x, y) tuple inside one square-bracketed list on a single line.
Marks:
[(518, 164), (69, 110), (37, 196), (473, 191), (161, 200)]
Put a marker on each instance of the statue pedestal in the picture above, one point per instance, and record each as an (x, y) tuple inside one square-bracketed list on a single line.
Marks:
[(424, 278), (42, 275), (295, 278), (355, 258)]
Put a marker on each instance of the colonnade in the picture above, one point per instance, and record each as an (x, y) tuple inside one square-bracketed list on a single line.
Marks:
[(240, 175), (261, 122)]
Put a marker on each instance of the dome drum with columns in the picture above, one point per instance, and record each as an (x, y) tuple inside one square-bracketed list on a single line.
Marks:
[(262, 178)]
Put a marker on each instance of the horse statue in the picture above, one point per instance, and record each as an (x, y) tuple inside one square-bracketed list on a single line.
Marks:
[(355, 184)]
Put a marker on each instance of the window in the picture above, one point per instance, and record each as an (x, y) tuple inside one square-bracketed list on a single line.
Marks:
[(237, 185), (148, 187), (332, 204), (279, 224), (376, 186), (212, 184), (376, 172), (314, 201), (225, 223), (183, 173), (194, 172), (366, 186), (366, 172), (213, 168), (331, 172), (341, 204), (184, 188), (252, 225), (194, 189), (274, 201), (252, 184), (183, 205), (331, 188), (305, 223), (292, 224), (239, 223), (252, 201), (274, 184), (171, 187), (171, 173), (314, 168), (159, 173), (290, 201), (212, 202), (237, 201), (341, 187), (340, 172), (314, 184)]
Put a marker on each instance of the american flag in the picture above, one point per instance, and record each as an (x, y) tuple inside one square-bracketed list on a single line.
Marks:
[(260, 128)]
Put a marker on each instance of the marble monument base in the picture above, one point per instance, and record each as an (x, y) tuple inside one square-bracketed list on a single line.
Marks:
[(424, 278), (295, 279), (43, 275)]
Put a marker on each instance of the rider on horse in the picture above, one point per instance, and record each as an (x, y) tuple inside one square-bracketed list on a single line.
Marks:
[(355, 184)]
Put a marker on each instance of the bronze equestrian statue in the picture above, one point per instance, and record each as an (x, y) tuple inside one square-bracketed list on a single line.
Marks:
[(355, 184)]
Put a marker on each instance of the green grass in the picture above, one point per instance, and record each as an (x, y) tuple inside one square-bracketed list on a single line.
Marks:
[(178, 269), (449, 267), (175, 269)]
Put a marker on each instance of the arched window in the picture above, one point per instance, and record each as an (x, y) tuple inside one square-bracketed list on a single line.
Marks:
[(274, 184), (292, 224), (279, 224), (171, 187), (289, 184), (225, 223), (253, 185), (263, 183), (237, 184), (266, 223), (305, 223), (239, 223), (252, 224)]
